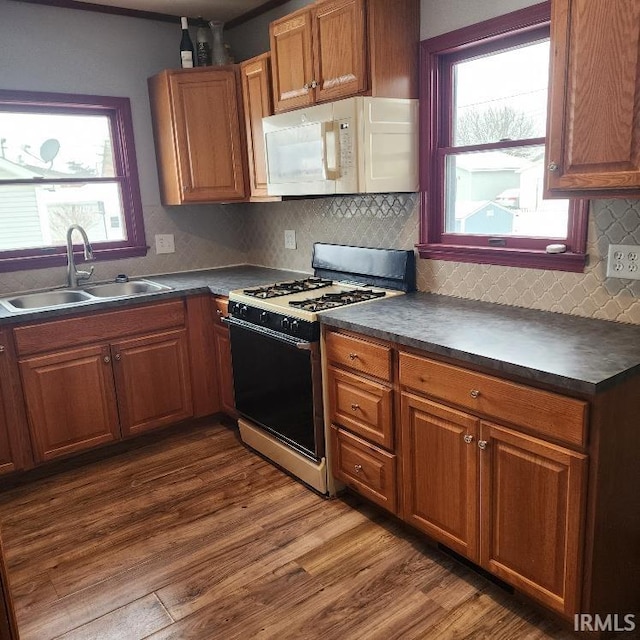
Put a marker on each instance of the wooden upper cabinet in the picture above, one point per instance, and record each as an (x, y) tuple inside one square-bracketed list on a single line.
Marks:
[(339, 49), (256, 97), (335, 49), (291, 55), (199, 145), (593, 136)]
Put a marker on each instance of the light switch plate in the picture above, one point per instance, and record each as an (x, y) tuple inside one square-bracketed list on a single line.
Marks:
[(165, 243), (623, 261), (289, 239)]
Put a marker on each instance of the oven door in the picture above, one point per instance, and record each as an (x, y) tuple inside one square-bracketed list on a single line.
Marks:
[(278, 385)]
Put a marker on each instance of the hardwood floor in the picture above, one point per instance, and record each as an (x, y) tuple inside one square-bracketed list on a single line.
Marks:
[(189, 535)]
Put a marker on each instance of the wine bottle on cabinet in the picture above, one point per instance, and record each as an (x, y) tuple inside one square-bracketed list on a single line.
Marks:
[(186, 46)]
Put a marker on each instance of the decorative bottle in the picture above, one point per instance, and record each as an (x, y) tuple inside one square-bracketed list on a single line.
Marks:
[(218, 51), (186, 46)]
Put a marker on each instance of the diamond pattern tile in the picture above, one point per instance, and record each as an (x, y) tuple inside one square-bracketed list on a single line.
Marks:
[(210, 236)]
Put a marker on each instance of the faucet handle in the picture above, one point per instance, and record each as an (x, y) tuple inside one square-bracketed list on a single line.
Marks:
[(84, 275)]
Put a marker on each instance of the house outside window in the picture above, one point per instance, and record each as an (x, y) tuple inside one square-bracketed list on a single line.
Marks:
[(483, 122), (66, 160)]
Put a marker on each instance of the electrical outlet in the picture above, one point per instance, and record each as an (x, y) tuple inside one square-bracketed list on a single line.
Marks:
[(165, 243), (289, 239), (623, 261)]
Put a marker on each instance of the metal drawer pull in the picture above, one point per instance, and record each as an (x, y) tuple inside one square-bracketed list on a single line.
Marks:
[(353, 356), (355, 407), (357, 468), (1, 348), (107, 359), (118, 356), (468, 439), (482, 444), (475, 393)]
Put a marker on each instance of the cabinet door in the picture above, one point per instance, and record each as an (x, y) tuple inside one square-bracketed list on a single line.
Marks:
[(15, 448), (256, 97), (440, 457), (8, 625), (532, 496), (593, 137), (225, 370), (70, 398), (291, 57), (207, 135), (152, 381), (339, 49)]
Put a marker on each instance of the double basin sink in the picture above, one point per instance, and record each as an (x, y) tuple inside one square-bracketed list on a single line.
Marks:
[(65, 297)]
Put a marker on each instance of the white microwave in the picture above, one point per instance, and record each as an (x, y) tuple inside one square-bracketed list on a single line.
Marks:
[(357, 145)]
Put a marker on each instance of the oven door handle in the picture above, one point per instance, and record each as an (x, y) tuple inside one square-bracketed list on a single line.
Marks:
[(268, 333)]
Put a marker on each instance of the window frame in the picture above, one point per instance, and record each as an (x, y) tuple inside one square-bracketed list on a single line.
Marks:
[(118, 111), (436, 56)]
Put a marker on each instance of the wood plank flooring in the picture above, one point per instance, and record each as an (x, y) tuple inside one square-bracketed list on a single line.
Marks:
[(189, 535)]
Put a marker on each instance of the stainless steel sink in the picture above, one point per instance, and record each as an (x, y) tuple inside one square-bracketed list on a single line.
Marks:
[(119, 289), (65, 297), (46, 299)]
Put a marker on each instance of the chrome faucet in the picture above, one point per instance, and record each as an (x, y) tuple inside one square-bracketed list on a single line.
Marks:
[(73, 275)]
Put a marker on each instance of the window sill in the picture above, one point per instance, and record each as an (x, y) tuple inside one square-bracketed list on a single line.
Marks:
[(525, 258), (22, 263)]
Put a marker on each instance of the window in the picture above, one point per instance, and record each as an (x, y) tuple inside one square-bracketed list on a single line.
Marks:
[(483, 110), (66, 160)]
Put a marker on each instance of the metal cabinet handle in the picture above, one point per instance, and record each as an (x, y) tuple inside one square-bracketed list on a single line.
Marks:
[(314, 84), (355, 406), (107, 359), (305, 86), (482, 444), (468, 439), (357, 468), (353, 356), (474, 393), (2, 348), (553, 166), (118, 356)]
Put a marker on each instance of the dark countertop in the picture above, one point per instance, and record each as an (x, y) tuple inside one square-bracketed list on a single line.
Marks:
[(218, 281), (572, 353)]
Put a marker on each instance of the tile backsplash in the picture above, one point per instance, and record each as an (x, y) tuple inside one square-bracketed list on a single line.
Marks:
[(219, 235), (391, 220)]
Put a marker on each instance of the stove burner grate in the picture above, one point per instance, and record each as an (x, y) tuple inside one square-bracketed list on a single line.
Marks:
[(332, 300), (286, 288)]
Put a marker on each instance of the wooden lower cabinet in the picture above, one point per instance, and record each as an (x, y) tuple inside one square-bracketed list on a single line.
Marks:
[(80, 393), (222, 344), (510, 502), (532, 496), (8, 625), (153, 385), (15, 447), (71, 401), (440, 473)]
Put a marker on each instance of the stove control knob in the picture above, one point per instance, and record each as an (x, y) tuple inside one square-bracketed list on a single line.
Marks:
[(264, 317), (286, 324), (294, 326), (243, 310)]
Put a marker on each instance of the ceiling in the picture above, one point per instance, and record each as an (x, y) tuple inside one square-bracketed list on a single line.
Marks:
[(231, 12)]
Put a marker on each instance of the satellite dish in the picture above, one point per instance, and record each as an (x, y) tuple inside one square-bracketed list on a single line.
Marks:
[(49, 149)]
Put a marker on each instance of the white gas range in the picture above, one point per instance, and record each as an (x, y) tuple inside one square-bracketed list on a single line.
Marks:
[(275, 345)]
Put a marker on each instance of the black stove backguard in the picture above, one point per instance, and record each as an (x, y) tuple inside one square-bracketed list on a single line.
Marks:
[(385, 268)]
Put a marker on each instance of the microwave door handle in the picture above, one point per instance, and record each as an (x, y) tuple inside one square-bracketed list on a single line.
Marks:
[(332, 171)]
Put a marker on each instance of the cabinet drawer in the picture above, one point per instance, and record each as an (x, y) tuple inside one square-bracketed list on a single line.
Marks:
[(549, 414), (365, 468), (361, 355), (361, 406), (220, 307), (98, 327)]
